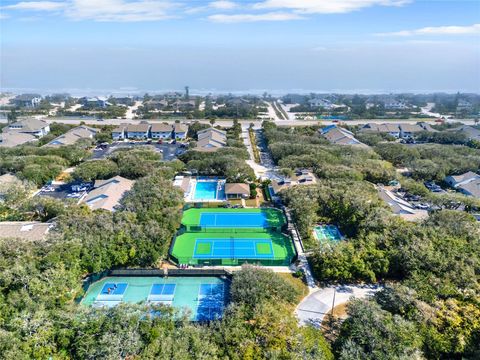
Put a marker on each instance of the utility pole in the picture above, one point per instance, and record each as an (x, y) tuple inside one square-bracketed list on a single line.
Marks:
[(187, 94)]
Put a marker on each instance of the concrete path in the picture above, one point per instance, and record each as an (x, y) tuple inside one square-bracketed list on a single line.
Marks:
[(313, 308)]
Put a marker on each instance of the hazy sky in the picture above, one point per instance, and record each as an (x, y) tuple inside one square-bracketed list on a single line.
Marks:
[(277, 45)]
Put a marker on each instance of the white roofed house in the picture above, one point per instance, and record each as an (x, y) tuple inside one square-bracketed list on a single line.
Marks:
[(211, 139), (30, 126), (180, 131), (107, 194), (73, 135), (138, 131), (161, 131), (27, 100), (401, 207), (97, 101)]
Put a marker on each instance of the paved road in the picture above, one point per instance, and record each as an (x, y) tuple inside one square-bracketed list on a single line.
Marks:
[(228, 123)]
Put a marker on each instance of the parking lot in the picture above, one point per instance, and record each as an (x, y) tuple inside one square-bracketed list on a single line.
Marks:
[(169, 151), (73, 190)]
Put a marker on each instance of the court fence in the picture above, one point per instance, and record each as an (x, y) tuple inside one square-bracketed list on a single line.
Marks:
[(153, 272), (232, 261)]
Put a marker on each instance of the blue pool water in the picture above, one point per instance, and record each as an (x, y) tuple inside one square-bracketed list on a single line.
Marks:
[(208, 190), (236, 220)]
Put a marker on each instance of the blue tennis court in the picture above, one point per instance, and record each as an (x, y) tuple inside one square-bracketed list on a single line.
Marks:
[(233, 248), (233, 220), (163, 293), (113, 289), (210, 302)]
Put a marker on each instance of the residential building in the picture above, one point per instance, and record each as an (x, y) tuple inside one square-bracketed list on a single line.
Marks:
[(237, 191), (471, 188), (391, 129), (26, 230), (397, 130), (97, 101), (161, 131), (211, 139), (27, 100), (323, 103), (180, 131), (301, 177), (340, 136), (138, 131), (119, 132), (399, 206), (458, 180), (395, 105), (472, 133), (11, 139), (184, 105), (107, 194), (30, 126), (73, 135)]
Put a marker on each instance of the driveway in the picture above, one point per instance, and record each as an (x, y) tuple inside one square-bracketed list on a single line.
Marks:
[(313, 308)]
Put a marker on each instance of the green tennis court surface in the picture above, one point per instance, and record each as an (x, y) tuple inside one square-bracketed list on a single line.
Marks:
[(327, 233), (267, 248), (204, 297), (229, 237), (221, 219), (234, 248)]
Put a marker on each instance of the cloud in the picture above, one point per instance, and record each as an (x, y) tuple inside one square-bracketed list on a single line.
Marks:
[(271, 16), (103, 10), (326, 6), (36, 5), (222, 5), (119, 10), (437, 30)]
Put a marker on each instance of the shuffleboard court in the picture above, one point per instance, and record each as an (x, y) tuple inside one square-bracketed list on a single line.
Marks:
[(234, 220), (233, 248)]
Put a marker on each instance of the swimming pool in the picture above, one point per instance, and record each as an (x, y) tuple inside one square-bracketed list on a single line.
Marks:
[(209, 190), (205, 297)]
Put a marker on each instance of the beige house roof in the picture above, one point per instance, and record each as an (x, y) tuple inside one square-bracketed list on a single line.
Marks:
[(9, 179), (119, 129), (73, 135), (469, 175), (138, 127), (30, 124), (341, 136), (107, 193), (381, 127), (472, 188), (411, 128), (401, 207), (13, 138), (28, 230), (237, 188), (161, 127), (211, 139), (180, 128)]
